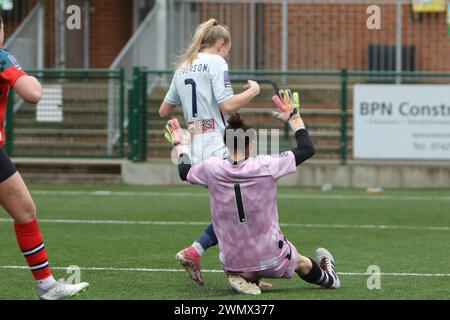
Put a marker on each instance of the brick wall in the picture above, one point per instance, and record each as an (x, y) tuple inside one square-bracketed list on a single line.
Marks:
[(111, 28), (335, 36), (49, 33), (13, 18), (321, 36)]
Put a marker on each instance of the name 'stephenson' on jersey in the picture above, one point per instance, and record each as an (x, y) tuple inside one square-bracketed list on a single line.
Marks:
[(200, 88), (10, 72), (244, 208)]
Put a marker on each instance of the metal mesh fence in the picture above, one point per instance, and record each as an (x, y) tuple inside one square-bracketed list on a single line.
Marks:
[(320, 94), (73, 119), (327, 106)]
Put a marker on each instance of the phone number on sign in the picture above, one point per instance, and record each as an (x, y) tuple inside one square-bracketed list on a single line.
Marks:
[(433, 146)]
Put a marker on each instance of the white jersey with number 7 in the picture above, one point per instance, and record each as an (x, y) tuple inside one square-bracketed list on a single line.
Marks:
[(200, 88)]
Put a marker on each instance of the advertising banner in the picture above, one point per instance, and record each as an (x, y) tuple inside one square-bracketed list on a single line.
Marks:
[(401, 122), (429, 5)]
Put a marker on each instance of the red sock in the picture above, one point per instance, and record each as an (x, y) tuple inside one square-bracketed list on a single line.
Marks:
[(30, 242)]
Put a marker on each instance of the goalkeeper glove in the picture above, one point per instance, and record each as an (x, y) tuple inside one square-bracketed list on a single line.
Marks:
[(289, 109), (173, 132), (176, 137)]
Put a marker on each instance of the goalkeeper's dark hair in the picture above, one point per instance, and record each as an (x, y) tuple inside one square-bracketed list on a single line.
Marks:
[(241, 133)]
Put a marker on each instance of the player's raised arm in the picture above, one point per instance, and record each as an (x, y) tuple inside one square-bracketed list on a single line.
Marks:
[(222, 88), (239, 101), (289, 111)]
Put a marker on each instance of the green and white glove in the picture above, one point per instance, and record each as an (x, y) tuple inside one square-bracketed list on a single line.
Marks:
[(289, 109), (173, 132), (175, 136)]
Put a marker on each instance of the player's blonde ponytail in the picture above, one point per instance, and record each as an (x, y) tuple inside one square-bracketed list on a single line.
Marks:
[(206, 35)]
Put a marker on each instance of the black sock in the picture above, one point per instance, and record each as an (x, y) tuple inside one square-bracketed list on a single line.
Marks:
[(318, 276)]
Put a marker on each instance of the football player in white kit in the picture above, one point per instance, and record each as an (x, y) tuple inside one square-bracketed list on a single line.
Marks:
[(201, 85)]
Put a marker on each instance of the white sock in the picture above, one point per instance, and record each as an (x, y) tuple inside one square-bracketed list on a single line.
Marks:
[(198, 247), (46, 283)]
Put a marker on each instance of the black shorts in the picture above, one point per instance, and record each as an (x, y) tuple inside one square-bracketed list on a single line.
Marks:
[(7, 168)]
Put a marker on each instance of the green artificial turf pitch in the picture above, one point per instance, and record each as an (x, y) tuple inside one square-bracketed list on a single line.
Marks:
[(109, 232)]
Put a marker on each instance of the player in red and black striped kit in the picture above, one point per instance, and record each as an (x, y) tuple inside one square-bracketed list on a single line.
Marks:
[(14, 195)]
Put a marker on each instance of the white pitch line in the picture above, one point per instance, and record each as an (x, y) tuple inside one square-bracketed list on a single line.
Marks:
[(204, 195), (119, 222), (201, 223), (393, 274), (112, 269), (220, 271), (366, 226)]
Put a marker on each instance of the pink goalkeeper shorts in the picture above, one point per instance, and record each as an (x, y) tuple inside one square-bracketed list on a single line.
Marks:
[(284, 269)]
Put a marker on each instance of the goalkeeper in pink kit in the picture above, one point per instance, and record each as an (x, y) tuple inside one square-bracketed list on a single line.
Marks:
[(243, 193)]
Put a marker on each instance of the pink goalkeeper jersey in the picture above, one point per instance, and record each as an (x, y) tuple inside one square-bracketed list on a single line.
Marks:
[(244, 208)]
